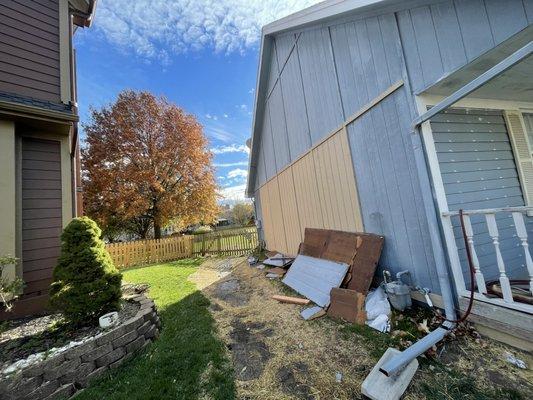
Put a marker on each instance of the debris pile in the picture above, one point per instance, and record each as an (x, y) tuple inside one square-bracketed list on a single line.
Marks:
[(333, 269)]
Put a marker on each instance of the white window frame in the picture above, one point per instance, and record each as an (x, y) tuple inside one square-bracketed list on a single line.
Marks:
[(424, 101)]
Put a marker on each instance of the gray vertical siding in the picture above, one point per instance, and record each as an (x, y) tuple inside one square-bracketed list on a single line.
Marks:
[(369, 59), (298, 133), (29, 48), (324, 107), (41, 213), (279, 128), (478, 171), (442, 37), (338, 67)]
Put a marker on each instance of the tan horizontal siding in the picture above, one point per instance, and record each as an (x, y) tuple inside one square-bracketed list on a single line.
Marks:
[(29, 49), (317, 191)]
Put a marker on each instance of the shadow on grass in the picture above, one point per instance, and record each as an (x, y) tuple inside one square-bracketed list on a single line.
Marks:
[(187, 361)]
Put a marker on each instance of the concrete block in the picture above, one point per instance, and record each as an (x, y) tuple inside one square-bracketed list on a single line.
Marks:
[(64, 392), (96, 353), (144, 327), (135, 345), (43, 391), (112, 335), (151, 333), (110, 357), (97, 373), (64, 368), (79, 373), (78, 351), (123, 340), (378, 386)]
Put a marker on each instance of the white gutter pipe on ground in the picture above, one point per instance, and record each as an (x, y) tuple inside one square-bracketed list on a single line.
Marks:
[(397, 363)]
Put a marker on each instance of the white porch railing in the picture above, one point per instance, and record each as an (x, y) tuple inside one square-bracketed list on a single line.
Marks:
[(509, 297)]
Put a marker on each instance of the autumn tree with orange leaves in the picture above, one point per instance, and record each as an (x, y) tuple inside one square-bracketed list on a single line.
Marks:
[(145, 164)]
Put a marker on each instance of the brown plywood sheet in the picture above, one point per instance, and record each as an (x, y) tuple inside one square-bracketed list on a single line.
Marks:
[(348, 305), (361, 251), (315, 241)]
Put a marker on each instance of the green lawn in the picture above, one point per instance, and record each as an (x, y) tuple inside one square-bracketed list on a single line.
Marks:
[(188, 361)]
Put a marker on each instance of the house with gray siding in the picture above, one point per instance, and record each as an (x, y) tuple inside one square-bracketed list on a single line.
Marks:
[(39, 146), (389, 117)]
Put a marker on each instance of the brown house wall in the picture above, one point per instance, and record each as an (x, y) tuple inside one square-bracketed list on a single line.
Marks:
[(41, 213), (29, 48)]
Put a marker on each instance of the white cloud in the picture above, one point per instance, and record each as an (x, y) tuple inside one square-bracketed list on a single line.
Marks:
[(231, 164), (225, 115), (158, 28), (218, 133), (233, 148), (237, 173), (233, 193)]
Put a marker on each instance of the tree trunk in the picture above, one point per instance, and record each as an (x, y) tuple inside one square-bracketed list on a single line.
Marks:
[(157, 229)]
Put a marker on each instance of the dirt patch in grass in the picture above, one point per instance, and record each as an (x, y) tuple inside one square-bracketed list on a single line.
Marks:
[(278, 355)]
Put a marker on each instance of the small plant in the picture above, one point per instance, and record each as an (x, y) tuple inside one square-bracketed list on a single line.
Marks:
[(86, 283), (10, 288)]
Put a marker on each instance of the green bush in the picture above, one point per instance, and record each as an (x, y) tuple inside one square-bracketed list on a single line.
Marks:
[(86, 283)]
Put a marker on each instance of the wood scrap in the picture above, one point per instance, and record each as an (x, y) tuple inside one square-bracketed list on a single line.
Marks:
[(348, 305), (279, 271), (312, 313), (271, 253), (278, 260), (291, 300)]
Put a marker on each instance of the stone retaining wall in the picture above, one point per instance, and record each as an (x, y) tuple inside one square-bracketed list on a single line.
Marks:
[(63, 374)]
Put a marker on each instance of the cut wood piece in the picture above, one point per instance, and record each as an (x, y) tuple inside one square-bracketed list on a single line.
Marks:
[(291, 300), (348, 305), (314, 278), (271, 253), (278, 260), (278, 271), (312, 313)]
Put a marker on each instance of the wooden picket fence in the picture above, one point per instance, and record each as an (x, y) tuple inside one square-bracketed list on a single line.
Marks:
[(228, 242), (141, 252)]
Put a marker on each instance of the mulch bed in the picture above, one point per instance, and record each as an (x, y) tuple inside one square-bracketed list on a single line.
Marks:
[(23, 337)]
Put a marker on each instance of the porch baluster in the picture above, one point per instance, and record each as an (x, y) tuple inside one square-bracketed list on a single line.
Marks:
[(522, 234), (480, 279), (495, 235)]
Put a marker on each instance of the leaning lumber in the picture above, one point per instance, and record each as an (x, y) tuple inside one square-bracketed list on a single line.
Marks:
[(291, 300)]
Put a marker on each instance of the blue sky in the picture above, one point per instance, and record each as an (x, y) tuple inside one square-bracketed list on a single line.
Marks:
[(201, 55)]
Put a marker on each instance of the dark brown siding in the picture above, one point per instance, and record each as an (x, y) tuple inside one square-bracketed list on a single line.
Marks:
[(41, 213), (29, 48)]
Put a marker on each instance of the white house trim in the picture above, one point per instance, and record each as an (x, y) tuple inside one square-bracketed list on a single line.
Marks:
[(422, 103)]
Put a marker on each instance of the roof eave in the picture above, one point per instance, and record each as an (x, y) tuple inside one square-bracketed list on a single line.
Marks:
[(261, 81), (84, 16)]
